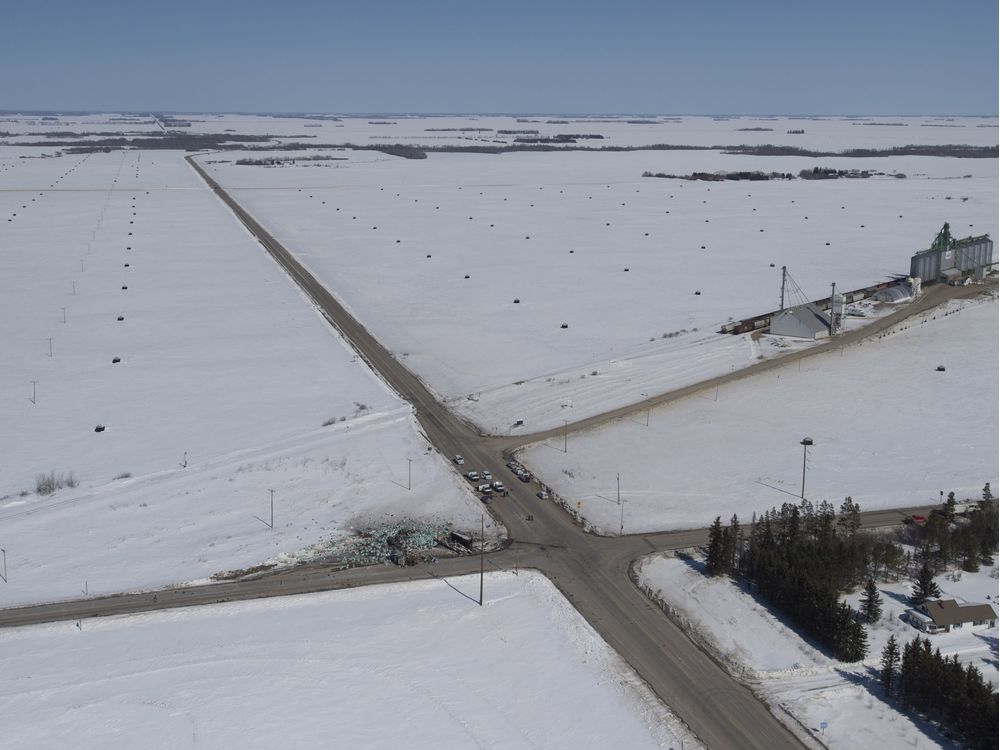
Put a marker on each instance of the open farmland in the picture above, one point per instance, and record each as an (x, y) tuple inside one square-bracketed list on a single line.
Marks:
[(420, 662), (433, 253), (212, 377), (871, 410)]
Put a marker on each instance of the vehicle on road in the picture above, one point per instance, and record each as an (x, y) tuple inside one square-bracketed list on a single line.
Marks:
[(472, 476), (542, 495), (458, 459), (485, 489), (498, 486), (487, 476)]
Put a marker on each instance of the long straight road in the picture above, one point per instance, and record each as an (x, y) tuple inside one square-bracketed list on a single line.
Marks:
[(593, 572)]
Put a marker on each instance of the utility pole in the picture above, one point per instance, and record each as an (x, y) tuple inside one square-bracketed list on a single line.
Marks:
[(806, 442), (4, 576), (621, 524), (34, 383), (409, 473), (64, 314), (645, 396), (618, 478), (272, 508), (833, 309), (74, 288), (784, 273), (565, 434), (50, 346), (482, 556)]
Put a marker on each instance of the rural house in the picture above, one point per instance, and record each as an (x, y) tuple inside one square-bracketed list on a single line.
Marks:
[(945, 615)]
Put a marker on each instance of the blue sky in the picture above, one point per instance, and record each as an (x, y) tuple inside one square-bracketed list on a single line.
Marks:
[(697, 57)]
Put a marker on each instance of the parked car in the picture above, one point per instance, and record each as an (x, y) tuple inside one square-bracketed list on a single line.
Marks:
[(542, 495), (472, 476), (486, 489), (498, 486), (487, 476), (458, 459), (524, 476)]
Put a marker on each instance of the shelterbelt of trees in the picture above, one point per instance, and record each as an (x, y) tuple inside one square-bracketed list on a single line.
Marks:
[(801, 558)]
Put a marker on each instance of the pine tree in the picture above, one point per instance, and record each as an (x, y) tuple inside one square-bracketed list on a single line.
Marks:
[(924, 587), (987, 493), (850, 517), (970, 554), (850, 641), (949, 507), (736, 537), (890, 659), (716, 563), (871, 603)]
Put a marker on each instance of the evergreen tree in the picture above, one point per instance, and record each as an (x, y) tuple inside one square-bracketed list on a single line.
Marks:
[(871, 602), (850, 517), (850, 641), (716, 563), (970, 554), (949, 507), (924, 587), (987, 493), (734, 544), (890, 659)]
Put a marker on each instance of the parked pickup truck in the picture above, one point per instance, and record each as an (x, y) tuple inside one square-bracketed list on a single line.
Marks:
[(472, 476)]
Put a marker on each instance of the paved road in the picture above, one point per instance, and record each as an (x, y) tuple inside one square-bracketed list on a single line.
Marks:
[(591, 571)]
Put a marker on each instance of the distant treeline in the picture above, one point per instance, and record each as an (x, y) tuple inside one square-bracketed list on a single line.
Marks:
[(561, 138), (723, 176), (235, 141)]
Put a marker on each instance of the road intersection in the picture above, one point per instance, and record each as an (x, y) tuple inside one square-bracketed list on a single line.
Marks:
[(593, 572)]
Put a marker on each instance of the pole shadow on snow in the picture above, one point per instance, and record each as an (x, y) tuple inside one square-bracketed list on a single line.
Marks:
[(450, 585)]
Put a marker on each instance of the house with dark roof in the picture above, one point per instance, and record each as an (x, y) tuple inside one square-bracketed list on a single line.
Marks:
[(946, 615)]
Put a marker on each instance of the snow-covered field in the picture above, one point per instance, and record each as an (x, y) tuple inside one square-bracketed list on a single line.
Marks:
[(433, 253), (820, 133), (408, 665), (225, 378), (756, 644), (889, 430)]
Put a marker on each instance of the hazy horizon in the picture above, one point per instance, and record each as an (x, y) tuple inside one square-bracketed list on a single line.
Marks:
[(915, 58)]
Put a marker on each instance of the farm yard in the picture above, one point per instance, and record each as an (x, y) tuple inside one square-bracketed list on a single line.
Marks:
[(758, 644)]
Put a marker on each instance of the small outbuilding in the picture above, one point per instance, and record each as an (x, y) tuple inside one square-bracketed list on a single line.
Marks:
[(804, 322), (945, 615)]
